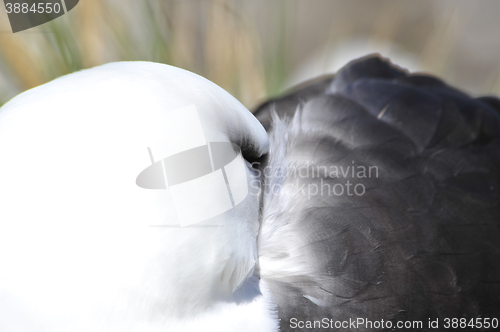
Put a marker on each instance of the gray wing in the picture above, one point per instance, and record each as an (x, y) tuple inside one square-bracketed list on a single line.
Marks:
[(420, 238)]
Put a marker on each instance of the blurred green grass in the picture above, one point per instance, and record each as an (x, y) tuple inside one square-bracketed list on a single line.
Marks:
[(215, 39), (252, 49)]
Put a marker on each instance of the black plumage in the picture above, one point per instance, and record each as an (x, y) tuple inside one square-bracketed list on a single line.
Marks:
[(423, 240)]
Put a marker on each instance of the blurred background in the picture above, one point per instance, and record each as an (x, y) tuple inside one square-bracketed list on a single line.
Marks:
[(258, 49)]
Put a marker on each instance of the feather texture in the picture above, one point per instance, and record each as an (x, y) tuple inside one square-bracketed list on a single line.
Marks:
[(420, 238)]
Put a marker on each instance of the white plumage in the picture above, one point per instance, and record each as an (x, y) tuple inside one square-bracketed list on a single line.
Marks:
[(77, 248)]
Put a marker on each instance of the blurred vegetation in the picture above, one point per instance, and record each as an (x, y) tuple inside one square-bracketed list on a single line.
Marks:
[(215, 39), (253, 49)]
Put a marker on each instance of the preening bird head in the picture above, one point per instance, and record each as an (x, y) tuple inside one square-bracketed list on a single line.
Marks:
[(172, 249)]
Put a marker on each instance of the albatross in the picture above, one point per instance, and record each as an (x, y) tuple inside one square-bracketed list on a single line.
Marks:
[(137, 196)]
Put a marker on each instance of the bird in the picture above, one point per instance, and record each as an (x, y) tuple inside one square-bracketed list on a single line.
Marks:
[(419, 241), (371, 203)]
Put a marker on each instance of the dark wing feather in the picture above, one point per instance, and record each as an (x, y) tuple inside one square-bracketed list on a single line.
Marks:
[(423, 240)]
